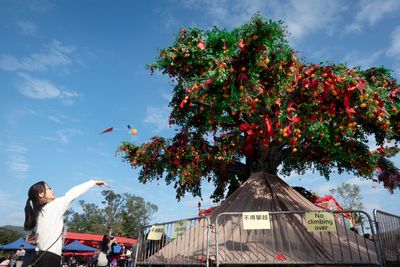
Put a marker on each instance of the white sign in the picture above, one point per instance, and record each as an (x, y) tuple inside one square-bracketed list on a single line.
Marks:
[(256, 220), (180, 228), (156, 232)]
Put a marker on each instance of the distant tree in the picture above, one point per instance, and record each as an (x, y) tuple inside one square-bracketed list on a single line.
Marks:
[(243, 103), (136, 213), (7, 235), (311, 196), (349, 196), (90, 220), (115, 204), (124, 214)]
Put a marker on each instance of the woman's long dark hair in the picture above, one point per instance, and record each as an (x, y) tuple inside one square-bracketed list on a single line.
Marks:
[(104, 243), (33, 205)]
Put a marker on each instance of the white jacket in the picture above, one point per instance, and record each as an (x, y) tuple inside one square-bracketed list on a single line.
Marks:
[(50, 221)]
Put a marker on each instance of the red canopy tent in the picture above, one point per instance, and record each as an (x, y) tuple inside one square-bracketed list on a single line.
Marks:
[(329, 203), (94, 240), (83, 254)]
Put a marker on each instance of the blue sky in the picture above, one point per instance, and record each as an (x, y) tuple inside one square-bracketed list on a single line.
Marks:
[(70, 69)]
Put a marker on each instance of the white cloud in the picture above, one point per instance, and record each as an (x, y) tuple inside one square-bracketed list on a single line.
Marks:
[(354, 59), (8, 62), (43, 89), (13, 218), (301, 17), (39, 6), (16, 148), (305, 17), (396, 70), (54, 119), (68, 94), (360, 182), (394, 49), (55, 55), (167, 96), (59, 118), (372, 144), (324, 188), (321, 54), (6, 201), (158, 117), (64, 135), (371, 11), (370, 206), (97, 151), (16, 163), (39, 89), (18, 166), (49, 138), (27, 27), (309, 177)]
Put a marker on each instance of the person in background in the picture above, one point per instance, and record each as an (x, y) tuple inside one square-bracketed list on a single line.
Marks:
[(12, 262), (123, 257), (29, 254), (19, 256), (113, 262), (93, 260), (44, 213), (104, 255), (4, 262), (114, 254), (131, 256), (72, 262)]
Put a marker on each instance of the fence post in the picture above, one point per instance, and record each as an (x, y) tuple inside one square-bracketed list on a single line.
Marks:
[(208, 240), (216, 239), (137, 246), (382, 257)]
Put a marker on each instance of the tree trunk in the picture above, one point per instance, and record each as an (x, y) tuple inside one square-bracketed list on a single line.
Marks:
[(265, 159)]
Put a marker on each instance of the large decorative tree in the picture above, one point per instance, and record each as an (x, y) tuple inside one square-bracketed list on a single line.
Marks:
[(243, 102)]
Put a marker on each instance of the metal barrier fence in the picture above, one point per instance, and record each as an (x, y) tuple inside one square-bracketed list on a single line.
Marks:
[(291, 240), (182, 242), (388, 232)]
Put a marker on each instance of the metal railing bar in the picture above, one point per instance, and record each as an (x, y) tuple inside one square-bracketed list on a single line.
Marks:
[(265, 244), (285, 231), (273, 236), (348, 243), (240, 240), (365, 240)]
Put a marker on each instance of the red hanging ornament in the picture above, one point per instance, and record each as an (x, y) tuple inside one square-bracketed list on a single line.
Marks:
[(269, 128)]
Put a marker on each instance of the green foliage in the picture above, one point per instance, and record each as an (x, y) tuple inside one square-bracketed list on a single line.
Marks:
[(124, 213), (349, 196), (242, 102), (311, 196), (7, 235)]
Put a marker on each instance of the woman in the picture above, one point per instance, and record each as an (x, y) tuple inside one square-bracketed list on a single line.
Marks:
[(20, 255), (44, 213), (102, 259), (105, 250)]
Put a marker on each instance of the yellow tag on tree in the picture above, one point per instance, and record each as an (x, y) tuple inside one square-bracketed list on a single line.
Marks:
[(156, 232), (320, 222)]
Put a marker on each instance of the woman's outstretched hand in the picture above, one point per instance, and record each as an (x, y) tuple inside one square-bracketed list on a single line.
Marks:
[(101, 183)]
